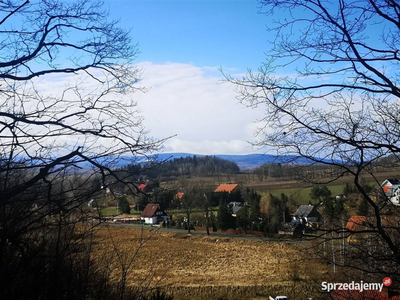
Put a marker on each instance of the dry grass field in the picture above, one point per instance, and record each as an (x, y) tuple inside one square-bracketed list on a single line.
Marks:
[(202, 267)]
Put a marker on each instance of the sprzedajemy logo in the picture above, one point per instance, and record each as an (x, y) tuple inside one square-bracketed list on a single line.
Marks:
[(356, 286)]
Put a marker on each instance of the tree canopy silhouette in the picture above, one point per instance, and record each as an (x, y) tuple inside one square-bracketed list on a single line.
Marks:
[(66, 83), (340, 104)]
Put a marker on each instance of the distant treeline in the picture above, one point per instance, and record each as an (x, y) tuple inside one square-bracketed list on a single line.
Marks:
[(212, 165), (315, 171), (296, 172), (188, 166)]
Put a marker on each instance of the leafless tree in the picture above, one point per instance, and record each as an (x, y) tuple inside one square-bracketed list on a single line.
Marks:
[(190, 199), (66, 107), (338, 104)]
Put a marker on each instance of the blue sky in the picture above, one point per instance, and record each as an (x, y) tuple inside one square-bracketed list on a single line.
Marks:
[(227, 33), (183, 46)]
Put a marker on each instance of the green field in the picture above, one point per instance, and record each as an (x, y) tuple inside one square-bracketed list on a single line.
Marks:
[(301, 195), (112, 211)]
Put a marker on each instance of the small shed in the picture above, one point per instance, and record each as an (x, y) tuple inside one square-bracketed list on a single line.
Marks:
[(153, 214)]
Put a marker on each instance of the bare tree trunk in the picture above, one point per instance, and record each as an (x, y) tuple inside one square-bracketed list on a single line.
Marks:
[(208, 221), (188, 220), (343, 249), (333, 254), (324, 242)]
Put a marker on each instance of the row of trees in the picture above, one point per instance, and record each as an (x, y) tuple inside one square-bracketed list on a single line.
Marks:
[(311, 172), (183, 166)]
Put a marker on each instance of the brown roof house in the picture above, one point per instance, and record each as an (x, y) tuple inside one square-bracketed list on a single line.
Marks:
[(153, 214), (226, 188)]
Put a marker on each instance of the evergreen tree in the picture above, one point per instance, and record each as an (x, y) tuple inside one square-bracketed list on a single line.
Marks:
[(191, 166), (363, 208), (225, 219), (320, 193), (163, 196), (252, 198), (124, 205), (243, 220), (142, 201)]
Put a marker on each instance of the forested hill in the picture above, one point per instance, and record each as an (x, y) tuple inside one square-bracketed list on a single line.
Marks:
[(183, 166)]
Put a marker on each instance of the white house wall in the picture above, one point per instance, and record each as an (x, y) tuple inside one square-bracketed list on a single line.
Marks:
[(395, 201), (150, 220)]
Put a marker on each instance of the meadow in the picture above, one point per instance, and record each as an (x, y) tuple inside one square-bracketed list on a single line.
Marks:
[(205, 267), (301, 195)]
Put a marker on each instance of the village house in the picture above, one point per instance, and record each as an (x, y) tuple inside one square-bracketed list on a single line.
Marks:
[(145, 188), (228, 188), (179, 196), (395, 199), (356, 224), (235, 207), (307, 214), (153, 214), (177, 200), (362, 227), (303, 221), (389, 186)]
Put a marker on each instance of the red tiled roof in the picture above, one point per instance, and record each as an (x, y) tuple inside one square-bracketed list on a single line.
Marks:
[(356, 223), (149, 210), (142, 186), (226, 188), (179, 196)]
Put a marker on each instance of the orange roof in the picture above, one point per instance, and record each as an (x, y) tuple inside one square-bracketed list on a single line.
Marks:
[(386, 188), (226, 188), (179, 196), (356, 223)]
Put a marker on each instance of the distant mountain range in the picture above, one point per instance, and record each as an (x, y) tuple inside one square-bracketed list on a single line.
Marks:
[(249, 161), (245, 162)]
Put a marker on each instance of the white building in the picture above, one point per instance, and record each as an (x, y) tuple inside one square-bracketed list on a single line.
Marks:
[(153, 214)]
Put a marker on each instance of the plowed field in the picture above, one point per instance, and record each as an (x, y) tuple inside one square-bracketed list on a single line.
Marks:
[(180, 261)]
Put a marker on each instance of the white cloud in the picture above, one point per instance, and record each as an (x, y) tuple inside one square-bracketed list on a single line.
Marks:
[(189, 102), (197, 106), (207, 147)]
